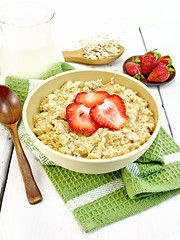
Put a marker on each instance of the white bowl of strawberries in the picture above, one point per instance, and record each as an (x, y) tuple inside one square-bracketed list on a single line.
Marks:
[(151, 68), (92, 115)]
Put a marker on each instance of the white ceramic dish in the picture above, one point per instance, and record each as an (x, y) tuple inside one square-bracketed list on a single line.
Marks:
[(83, 165)]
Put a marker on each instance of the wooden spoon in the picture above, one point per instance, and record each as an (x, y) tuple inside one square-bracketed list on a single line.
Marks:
[(10, 114), (77, 56)]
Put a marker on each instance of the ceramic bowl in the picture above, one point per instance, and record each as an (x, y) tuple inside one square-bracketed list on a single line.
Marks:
[(83, 165)]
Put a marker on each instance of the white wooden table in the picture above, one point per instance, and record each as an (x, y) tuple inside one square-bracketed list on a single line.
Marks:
[(50, 219)]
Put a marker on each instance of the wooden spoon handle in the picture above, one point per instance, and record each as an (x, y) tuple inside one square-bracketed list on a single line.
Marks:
[(32, 190)]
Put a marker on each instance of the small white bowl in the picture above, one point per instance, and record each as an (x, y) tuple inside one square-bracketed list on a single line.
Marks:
[(83, 165)]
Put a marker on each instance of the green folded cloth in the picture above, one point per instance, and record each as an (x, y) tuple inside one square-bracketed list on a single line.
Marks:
[(100, 199)]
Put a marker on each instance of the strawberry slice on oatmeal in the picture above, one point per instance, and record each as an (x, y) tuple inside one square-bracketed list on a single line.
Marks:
[(91, 111), (111, 113), (79, 119), (91, 99)]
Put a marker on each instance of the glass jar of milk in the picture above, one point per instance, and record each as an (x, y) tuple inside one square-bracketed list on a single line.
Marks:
[(27, 49)]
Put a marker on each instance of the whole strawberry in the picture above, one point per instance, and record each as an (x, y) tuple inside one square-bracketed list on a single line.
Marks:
[(149, 61), (166, 60), (137, 59), (160, 73), (134, 70)]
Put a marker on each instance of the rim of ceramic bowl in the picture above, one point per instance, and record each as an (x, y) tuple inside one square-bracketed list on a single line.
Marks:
[(90, 160)]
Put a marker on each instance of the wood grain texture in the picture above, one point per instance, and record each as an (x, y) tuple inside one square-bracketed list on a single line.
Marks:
[(50, 219)]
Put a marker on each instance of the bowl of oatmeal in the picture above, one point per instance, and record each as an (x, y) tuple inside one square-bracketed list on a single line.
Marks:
[(105, 149)]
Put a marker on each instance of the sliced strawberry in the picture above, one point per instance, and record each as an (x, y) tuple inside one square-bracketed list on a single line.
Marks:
[(91, 99), (111, 113), (79, 119)]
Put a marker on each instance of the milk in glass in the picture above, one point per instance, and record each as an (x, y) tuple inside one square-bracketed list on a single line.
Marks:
[(27, 49)]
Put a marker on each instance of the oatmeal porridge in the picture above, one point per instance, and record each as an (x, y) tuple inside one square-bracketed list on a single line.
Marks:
[(52, 128)]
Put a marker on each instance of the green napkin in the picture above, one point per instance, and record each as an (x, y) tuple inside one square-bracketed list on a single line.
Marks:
[(100, 199)]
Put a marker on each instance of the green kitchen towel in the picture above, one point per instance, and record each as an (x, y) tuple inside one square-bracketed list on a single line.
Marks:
[(100, 199)]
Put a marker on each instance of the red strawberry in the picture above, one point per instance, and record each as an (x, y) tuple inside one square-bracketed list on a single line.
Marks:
[(149, 61), (91, 99), (166, 60), (111, 113), (134, 70), (160, 73), (79, 119), (137, 59)]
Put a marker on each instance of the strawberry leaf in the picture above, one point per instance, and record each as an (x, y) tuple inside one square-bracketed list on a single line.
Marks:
[(169, 61), (139, 76), (136, 60), (156, 55), (171, 70)]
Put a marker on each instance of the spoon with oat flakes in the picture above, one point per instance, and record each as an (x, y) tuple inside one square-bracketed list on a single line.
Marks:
[(80, 56)]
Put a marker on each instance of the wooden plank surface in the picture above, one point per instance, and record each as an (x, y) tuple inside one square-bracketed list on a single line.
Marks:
[(6, 148), (167, 41), (51, 220)]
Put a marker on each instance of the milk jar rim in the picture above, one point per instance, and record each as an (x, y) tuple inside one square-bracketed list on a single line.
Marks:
[(17, 25)]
